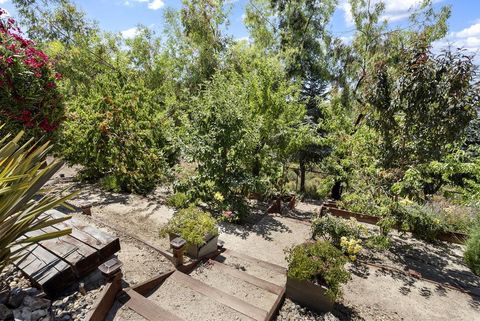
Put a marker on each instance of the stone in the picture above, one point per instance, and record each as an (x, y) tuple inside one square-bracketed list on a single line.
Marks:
[(37, 314), (36, 303), (4, 294), (16, 298), (65, 300), (31, 291), (58, 304), (5, 313), (24, 314)]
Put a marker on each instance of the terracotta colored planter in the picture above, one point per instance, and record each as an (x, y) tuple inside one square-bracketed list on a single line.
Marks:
[(198, 251), (309, 295)]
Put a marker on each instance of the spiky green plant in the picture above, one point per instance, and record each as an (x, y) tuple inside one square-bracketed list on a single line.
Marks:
[(23, 174)]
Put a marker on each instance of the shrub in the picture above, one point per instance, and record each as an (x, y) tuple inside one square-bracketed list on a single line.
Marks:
[(350, 247), (120, 136), (178, 200), (472, 251), (333, 229), (422, 221), (191, 224), (23, 173), (29, 98), (321, 263), (378, 242)]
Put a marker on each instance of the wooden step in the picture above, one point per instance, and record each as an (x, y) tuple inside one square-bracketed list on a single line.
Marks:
[(266, 285), (191, 305), (264, 270), (148, 309), (237, 287), (220, 296), (265, 264)]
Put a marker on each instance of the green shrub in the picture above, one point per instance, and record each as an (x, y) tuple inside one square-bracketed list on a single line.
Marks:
[(333, 229), (319, 262), (192, 224), (472, 251), (378, 242), (422, 221), (178, 200), (120, 136)]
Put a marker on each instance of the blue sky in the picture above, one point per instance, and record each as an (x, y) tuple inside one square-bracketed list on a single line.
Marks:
[(125, 15)]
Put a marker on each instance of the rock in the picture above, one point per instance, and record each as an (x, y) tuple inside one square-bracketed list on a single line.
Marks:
[(5, 313), (16, 298), (65, 300), (38, 314), (36, 303), (31, 291), (4, 294), (58, 304), (13, 284), (330, 317), (24, 314)]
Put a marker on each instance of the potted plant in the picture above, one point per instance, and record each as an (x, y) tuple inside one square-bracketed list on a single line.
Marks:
[(316, 272), (195, 226)]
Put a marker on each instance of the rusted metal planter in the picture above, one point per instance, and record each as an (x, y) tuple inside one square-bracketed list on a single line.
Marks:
[(198, 251), (309, 295)]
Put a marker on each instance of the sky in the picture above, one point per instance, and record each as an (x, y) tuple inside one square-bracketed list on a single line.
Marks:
[(125, 15)]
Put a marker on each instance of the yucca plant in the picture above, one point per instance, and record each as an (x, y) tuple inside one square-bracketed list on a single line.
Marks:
[(23, 174)]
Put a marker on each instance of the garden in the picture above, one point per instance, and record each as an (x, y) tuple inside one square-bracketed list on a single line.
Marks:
[(303, 176)]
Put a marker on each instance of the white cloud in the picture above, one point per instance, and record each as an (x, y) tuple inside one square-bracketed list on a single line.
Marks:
[(468, 39), (130, 33), (395, 10), (152, 4), (3, 1), (156, 4)]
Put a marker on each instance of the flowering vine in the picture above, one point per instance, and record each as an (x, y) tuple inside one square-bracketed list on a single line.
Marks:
[(29, 98)]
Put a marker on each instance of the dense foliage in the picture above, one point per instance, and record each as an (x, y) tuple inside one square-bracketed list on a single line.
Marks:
[(472, 251), (29, 97), (387, 121), (192, 224), (319, 262)]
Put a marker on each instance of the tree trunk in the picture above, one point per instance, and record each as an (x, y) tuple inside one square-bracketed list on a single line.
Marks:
[(336, 192), (302, 175)]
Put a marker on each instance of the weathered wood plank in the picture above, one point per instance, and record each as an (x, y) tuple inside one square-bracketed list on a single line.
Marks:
[(104, 243), (221, 297), (264, 264), (45, 269), (277, 305), (80, 256), (146, 287), (148, 309), (105, 301), (270, 287)]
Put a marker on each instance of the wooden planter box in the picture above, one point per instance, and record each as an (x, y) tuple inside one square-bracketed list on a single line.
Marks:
[(196, 251), (309, 295)]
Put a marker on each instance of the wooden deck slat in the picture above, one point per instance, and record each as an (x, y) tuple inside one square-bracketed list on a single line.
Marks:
[(244, 276), (264, 264), (80, 256), (149, 309), (52, 264), (221, 297), (104, 243), (44, 268)]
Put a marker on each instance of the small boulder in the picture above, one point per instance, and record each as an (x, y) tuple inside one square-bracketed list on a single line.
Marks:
[(36, 303), (5, 313), (16, 298)]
